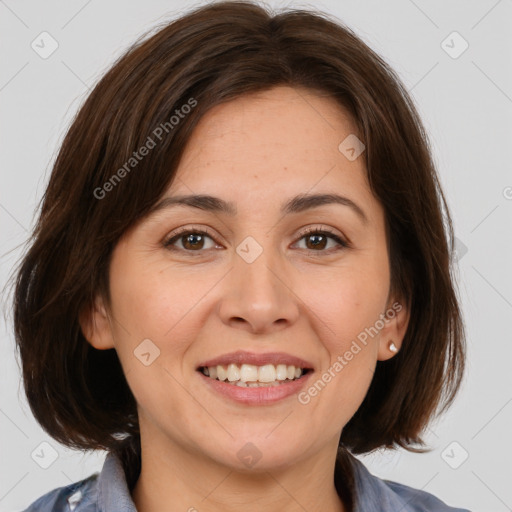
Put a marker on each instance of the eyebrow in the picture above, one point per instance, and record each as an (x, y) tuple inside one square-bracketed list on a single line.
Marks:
[(296, 204)]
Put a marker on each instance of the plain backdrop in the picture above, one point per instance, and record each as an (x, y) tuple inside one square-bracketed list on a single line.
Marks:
[(454, 57)]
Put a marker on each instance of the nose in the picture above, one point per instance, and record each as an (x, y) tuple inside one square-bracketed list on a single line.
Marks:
[(258, 297)]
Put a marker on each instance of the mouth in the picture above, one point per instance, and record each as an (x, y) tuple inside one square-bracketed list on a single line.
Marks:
[(253, 376), (255, 379)]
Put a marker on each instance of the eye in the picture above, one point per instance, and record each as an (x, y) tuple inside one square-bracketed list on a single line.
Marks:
[(317, 239), (192, 240)]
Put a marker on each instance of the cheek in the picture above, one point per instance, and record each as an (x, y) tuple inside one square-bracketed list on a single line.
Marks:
[(348, 305), (149, 306), (347, 311), (148, 302), (167, 307)]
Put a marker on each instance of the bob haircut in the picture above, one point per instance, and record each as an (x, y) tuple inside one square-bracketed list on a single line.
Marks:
[(211, 55)]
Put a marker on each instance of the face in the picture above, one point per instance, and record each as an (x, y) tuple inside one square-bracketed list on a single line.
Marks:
[(311, 282)]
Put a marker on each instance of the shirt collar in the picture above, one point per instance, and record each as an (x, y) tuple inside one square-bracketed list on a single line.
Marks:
[(113, 492), (370, 493)]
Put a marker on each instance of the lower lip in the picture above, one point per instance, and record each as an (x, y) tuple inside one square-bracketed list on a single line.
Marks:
[(257, 396)]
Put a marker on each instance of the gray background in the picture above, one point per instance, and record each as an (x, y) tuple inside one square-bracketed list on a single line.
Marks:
[(466, 104)]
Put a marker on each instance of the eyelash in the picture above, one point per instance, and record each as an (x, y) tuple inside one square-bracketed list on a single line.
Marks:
[(168, 243)]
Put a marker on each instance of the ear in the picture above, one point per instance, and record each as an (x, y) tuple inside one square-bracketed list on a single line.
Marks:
[(95, 325), (396, 320)]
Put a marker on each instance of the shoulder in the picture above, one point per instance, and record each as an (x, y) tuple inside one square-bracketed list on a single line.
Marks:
[(373, 494), (418, 500), (106, 491), (79, 497)]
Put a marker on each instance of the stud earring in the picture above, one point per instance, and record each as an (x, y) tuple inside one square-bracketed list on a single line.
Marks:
[(392, 346)]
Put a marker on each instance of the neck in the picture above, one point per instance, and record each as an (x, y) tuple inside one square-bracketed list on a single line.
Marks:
[(174, 479)]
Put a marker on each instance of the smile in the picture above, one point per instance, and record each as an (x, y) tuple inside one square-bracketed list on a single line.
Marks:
[(248, 375)]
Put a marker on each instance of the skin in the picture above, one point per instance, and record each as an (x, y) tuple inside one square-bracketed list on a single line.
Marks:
[(256, 151)]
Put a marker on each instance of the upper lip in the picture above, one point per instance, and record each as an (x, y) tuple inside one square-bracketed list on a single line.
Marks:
[(243, 357)]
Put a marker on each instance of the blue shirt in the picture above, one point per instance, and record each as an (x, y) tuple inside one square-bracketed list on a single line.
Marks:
[(108, 491)]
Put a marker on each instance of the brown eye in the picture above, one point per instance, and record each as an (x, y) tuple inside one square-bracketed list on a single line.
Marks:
[(191, 240), (317, 240)]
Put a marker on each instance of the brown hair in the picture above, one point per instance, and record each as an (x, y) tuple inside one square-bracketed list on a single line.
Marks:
[(211, 55)]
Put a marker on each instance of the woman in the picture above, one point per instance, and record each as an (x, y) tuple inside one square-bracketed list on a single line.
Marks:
[(240, 276)]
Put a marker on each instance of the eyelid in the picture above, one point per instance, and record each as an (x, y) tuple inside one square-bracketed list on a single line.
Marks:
[(189, 229), (326, 230), (342, 242)]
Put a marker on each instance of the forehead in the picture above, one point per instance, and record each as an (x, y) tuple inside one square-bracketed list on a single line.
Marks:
[(271, 144)]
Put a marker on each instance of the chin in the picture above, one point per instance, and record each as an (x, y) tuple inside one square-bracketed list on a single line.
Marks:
[(255, 453)]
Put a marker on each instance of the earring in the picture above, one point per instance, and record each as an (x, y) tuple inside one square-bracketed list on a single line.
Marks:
[(392, 346)]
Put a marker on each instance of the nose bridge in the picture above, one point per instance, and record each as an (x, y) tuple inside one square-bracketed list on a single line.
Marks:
[(257, 265)]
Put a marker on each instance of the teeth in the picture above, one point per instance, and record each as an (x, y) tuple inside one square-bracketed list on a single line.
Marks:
[(233, 373), (248, 372), (249, 375), (221, 373), (267, 373), (281, 372), (255, 384)]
